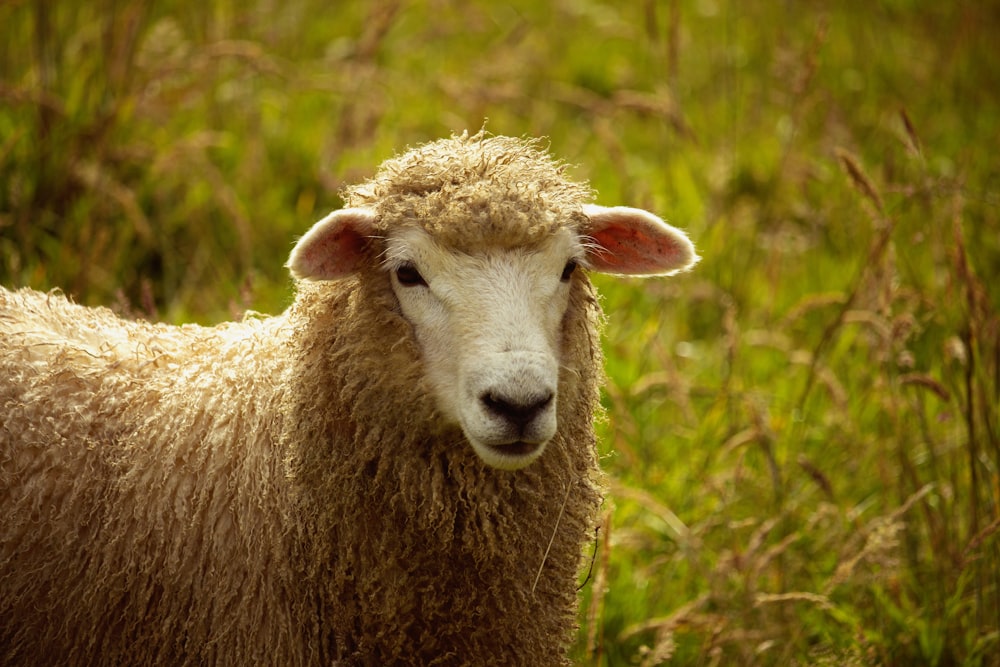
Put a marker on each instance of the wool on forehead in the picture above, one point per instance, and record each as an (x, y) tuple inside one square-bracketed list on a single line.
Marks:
[(472, 191)]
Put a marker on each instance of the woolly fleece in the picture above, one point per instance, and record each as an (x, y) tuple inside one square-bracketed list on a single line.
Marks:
[(282, 491), (475, 192)]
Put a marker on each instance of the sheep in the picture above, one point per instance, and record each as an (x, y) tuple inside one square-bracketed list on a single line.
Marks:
[(399, 469)]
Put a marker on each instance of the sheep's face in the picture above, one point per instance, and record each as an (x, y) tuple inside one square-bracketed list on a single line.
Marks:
[(488, 324), (488, 320)]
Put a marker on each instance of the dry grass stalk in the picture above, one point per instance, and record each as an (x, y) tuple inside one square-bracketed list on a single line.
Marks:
[(860, 180), (598, 591), (913, 143), (821, 601), (881, 540)]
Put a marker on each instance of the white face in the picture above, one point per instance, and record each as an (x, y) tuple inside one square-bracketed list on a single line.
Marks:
[(488, 325)]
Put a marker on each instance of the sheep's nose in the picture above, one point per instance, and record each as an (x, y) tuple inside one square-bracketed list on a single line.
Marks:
[(517, 411)]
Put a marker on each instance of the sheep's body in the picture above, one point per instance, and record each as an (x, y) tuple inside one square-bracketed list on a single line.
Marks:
[(238, 546), (122, 542), (289, 490)]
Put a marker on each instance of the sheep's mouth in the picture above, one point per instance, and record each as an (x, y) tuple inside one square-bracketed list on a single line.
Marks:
[(519, 448), (508, 455)]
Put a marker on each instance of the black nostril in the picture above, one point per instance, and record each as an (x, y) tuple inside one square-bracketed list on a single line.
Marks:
[(516, 411)]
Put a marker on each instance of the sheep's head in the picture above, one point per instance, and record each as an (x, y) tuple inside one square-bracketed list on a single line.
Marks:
[(482, 267)]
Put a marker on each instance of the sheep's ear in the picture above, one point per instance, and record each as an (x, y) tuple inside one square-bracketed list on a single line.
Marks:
[(633, 242), (334, 247)]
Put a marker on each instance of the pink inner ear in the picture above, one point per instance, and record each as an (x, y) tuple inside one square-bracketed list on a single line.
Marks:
[(632, 250), (635, 242), (337, 253), (335, 247)]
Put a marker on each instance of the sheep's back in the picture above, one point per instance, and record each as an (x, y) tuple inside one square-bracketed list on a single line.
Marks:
[(137, 477)]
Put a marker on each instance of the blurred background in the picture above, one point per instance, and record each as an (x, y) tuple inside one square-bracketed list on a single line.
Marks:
[(802, 438)]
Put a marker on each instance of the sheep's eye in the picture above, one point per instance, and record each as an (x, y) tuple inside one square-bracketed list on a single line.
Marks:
[(408, 276), (568, 270)]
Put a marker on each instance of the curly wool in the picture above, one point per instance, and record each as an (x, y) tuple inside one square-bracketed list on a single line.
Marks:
[(473, 192), (283, 490), (435, 518), (139, 487)]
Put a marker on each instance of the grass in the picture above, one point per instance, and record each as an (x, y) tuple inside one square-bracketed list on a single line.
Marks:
[(802, 438)]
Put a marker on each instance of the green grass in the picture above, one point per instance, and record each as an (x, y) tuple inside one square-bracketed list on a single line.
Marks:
[(802, 436)]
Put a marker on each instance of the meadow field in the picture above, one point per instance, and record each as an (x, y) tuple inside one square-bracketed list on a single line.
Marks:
[(802, 437)]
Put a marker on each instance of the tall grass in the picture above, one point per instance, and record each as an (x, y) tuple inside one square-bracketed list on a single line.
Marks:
[(802, 437)]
